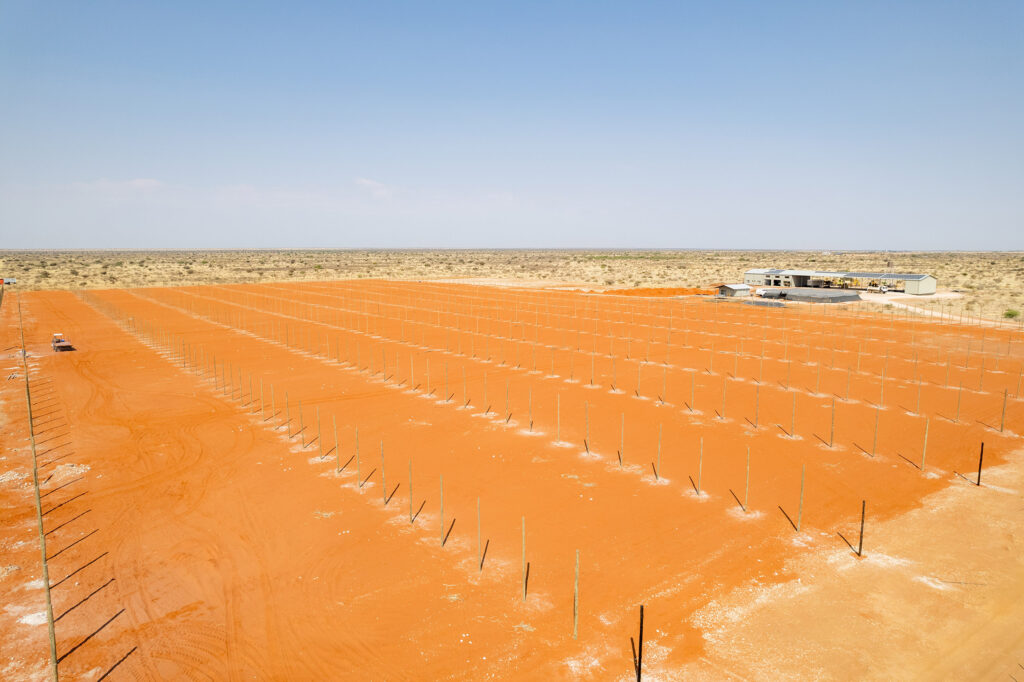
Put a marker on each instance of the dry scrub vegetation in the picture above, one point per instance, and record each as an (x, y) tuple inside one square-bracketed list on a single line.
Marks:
[(993, 282)]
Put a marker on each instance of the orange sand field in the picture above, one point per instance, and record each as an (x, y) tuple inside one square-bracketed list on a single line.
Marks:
[(225, 476), (660, 291)]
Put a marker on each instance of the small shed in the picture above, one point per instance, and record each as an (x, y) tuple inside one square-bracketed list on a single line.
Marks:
[(923, 284), (733, 289)]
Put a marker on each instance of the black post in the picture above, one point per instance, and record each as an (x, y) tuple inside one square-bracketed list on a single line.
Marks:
[(981, 456), (638, 651), (860, 544)]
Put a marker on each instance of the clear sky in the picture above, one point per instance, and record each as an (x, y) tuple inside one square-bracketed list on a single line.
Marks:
[(847, 125)]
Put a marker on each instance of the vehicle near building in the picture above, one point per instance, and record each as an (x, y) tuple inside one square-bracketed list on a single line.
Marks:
[(910, 283)]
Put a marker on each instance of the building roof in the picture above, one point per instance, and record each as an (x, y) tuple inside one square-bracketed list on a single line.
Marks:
[(733, 286), (887, 275), (845, 275), (810, 295)]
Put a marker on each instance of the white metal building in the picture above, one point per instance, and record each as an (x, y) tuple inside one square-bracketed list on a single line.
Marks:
[(908, 282), (921, 284), (733, 289)]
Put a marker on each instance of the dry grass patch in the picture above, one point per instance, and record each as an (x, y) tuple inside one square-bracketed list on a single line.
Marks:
[(990, 282)]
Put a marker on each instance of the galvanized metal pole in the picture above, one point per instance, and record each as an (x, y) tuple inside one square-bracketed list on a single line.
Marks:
[(800, 509), (524, 558), (576, 598), (700, 464), (746, 491), (924, 448)]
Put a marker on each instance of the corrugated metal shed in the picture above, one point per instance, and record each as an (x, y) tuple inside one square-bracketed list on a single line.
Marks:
[(884, 275), (835, 273), (733, 290), (810, 295)]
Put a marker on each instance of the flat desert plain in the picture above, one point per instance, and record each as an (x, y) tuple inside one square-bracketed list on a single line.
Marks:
[(985, 284), (399, 480)]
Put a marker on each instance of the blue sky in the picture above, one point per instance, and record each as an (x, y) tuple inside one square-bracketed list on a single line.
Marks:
[(591, 124)]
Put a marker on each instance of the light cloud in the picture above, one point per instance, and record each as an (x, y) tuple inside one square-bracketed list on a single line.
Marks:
[(377, 190)]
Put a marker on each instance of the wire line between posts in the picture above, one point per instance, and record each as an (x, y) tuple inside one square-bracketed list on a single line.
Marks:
[(39, 506)]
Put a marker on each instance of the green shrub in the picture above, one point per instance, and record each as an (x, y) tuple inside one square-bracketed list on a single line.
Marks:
[(1011, 314)]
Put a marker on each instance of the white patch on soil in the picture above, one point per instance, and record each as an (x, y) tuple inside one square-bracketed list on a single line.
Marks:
[(932, 582), (738, 513), (38, 618), (583, 664), (8, 476)]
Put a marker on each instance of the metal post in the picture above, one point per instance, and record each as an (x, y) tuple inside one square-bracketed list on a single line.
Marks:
[(792, 418), (622, 440), (981, 456), (524, 558), (874, 442), (576, 598), (700, 465), (860, 544), (746, 491), (832, 429), (959, 396), (924, 448), (1002, 420), (337, 450), (657, 471), (800, 509), (757, 403)]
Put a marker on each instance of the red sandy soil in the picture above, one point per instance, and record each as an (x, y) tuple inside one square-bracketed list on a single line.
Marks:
[(237, 550), (661, 291)]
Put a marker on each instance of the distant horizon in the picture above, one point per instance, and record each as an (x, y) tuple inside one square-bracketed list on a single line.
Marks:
[(581, 249)]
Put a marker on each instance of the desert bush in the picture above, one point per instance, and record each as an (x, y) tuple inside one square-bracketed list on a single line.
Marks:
[(1011, 314)]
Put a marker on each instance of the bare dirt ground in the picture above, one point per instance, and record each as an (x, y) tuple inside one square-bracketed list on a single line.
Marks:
[(329, 480), (991, 282)]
